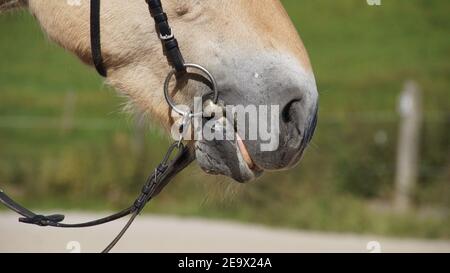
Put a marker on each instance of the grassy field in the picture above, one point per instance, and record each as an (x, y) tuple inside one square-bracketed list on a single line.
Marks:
[(362, 56)]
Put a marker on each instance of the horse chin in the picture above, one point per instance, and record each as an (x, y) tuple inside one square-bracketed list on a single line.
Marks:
[(228, 158)]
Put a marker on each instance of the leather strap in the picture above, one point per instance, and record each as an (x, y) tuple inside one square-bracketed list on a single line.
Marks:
[(170, 44), (153, 186), (168, 168), (96, 47)]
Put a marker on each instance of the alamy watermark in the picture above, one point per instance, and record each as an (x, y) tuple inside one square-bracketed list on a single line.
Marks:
[(374, 247), (73, 247), (251, 122)]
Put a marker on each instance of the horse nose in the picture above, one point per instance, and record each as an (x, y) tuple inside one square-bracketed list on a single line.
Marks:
[(302, 119), (298, 121), (284, 103), (289, 113)]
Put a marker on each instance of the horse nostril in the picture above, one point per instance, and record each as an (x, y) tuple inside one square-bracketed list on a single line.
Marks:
[(286, 114)]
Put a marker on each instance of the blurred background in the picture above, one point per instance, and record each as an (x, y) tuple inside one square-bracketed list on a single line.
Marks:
[(384, 78)]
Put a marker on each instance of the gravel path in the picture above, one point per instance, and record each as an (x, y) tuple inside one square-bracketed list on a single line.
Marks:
[(170, 234)]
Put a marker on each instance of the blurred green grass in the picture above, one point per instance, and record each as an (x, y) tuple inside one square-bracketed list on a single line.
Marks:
[(361, 55)]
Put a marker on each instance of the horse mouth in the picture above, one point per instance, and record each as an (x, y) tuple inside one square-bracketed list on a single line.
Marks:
[(227, 157)]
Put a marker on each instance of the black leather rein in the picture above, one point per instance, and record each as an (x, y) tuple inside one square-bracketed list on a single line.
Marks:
[(177, 158)]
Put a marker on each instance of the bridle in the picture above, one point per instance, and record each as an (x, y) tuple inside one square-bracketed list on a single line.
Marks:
[(178, 156)]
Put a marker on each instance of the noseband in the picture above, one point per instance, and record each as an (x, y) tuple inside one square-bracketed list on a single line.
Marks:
[(177, 157)]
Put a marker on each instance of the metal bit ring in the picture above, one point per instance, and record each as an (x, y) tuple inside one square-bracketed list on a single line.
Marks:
[(170, 100)]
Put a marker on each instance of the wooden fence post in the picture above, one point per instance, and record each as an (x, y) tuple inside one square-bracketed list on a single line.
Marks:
[(410, 110)]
